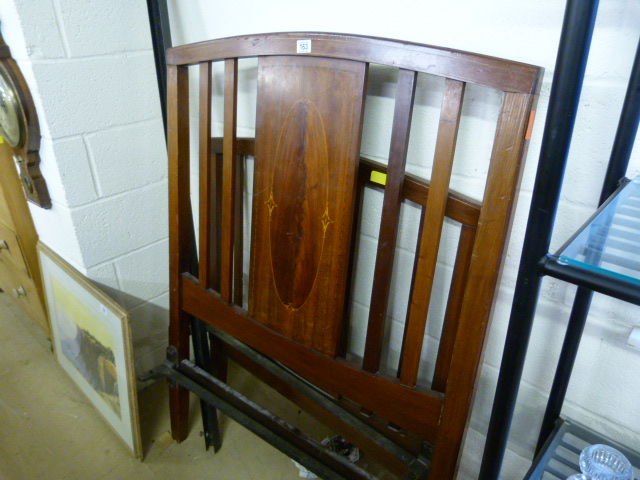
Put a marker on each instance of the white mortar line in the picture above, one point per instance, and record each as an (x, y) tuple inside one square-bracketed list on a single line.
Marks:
[(92, 167), (129, 54), (129, 253), (120, 126), (63, 34), (104, 199), (118, 275)]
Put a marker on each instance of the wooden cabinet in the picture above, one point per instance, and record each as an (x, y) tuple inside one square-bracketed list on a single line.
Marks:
[(19, 266)]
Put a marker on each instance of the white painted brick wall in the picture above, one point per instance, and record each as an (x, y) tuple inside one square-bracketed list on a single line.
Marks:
[(128, 157), (138, 271), (90, 66), (96, 27), (75, 171), (115, 226), (95, 93), (31, 29)]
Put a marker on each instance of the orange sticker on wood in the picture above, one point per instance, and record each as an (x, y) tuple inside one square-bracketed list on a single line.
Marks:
[(532, 118)]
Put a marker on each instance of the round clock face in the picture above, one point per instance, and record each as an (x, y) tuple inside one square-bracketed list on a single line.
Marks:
[(11, 126)]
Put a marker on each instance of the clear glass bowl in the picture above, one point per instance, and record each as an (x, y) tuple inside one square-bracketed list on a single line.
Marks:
[(601, 462)]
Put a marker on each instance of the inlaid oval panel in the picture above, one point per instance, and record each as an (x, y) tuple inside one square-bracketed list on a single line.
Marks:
[(299, 203)]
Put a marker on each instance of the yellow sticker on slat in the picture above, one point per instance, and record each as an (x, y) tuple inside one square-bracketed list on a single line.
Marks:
[(378, 177), (1, 139)]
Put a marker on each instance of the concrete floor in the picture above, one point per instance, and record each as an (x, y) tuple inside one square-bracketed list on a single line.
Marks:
[(49, 430)]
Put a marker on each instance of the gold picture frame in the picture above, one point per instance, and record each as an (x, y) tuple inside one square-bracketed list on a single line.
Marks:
[(92, 342)]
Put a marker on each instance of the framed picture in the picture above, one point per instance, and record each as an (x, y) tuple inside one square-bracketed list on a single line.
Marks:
[(92, 342)]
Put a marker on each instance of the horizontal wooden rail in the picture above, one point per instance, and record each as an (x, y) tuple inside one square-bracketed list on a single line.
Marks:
[(491, 72), (414, 410), (459, 207)]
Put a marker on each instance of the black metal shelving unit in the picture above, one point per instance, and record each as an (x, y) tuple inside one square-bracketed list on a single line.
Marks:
[(559, 457), (536, 261)]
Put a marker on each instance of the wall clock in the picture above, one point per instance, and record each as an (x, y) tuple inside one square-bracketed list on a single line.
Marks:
[(19, 127)]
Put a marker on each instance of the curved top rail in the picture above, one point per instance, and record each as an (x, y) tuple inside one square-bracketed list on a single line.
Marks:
[(483, 70)]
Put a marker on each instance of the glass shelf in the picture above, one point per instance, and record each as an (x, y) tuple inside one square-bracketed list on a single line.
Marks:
[(604, 254), (610, 243), (560, 455)]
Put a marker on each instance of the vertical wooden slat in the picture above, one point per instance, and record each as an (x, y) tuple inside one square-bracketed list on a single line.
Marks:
[(456, 292), (229, 169), (238, 250), (491, 240), (432, 228), (362, 177), (216, 218), (390, 216), (180, 232), (208, 259), (207, 263), (207, 172)]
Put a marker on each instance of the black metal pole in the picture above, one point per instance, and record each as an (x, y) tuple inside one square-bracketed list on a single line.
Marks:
[(577, 320), (571, 62), (618, 163), (161, 39), (626, 133)]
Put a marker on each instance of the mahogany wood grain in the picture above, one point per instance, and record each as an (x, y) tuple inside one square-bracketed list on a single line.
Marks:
[(180, 233), (308, 181), (307, 152), (454, 304), (229, 181), (431, 230), (458, 207), (489, 246), (414, 410), (362, 178), (390, 217), (207, 177), (238, 231), (215, 213), (463, 66), (244, 146)]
